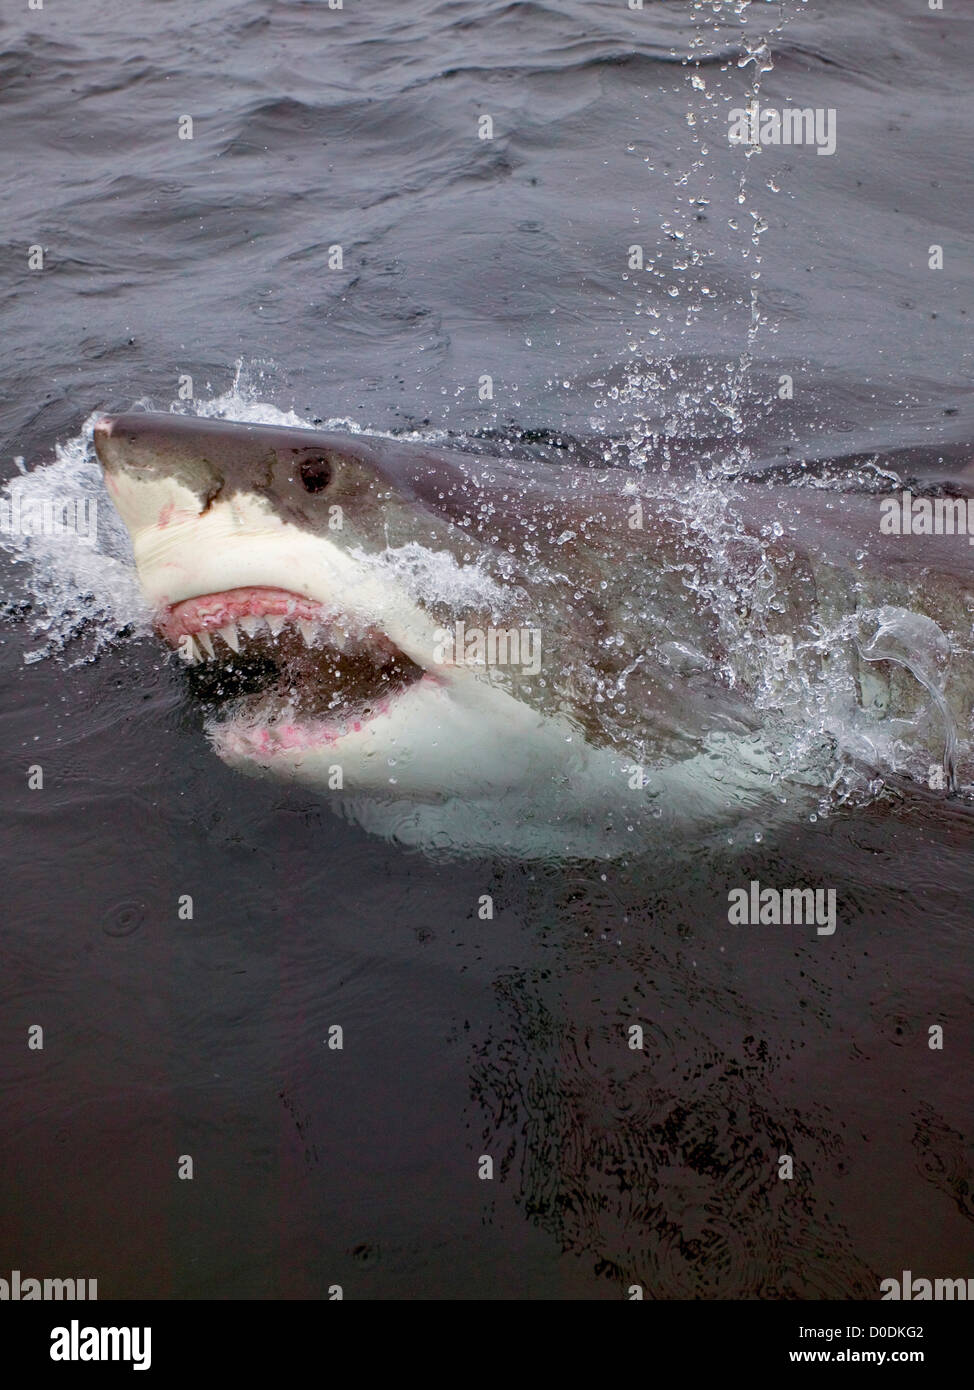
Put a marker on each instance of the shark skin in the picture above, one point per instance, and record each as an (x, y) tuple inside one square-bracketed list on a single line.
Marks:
[(479, 654)]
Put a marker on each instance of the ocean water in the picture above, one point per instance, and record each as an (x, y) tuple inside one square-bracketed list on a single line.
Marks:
[(200, 274)]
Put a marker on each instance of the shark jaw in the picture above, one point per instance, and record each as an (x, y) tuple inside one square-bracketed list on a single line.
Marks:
[(304, 686), (299, 675)]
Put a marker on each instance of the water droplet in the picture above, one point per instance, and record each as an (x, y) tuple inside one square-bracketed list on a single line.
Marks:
[(124, 919)]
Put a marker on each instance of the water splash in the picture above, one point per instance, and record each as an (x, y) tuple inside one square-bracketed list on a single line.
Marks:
[(914, 641), (436, 576), (70, 590)]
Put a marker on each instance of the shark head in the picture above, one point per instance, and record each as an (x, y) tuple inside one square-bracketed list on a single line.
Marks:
[(361, 614)]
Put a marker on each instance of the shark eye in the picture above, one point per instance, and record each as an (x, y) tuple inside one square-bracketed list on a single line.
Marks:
[(315, 474)]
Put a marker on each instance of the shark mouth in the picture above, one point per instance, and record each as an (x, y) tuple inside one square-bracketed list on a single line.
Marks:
[(291, 668)]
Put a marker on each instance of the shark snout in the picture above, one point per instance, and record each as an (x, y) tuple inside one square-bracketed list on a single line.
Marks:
[(215, 458), (101, 435), (158, 446), (352, 490)]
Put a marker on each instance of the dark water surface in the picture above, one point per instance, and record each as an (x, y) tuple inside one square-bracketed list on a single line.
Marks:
[(210, 258)]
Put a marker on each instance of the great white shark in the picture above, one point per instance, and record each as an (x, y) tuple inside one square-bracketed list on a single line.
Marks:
[(481, 653)]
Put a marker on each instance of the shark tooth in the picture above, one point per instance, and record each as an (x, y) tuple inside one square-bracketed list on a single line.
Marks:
[(229, 635), (275, 623), (307, 631), (250, 625), (206, 643)]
